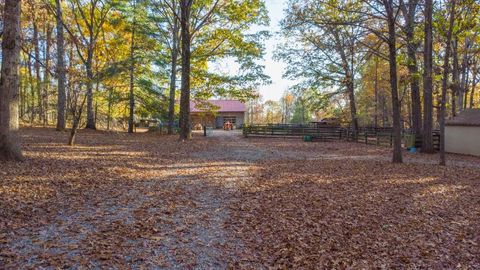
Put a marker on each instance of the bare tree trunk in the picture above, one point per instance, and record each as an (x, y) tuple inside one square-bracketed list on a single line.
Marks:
[(132, 76), (109, 112), (46, 76), (173, 76), (185, 7), (73, 131), (427, 142), (409, 12), (77, 115), (23, 95), (349, 77), (415, 93), (466, 88), (446, 66), (61, 95), (409, 109), (37, 70), (376, 92), (455, 77), (474, 84), (70, 84), (464, 76), (353, 107), (32, 90), (385, 119), (397, 131), (90, 78), (9, 83)]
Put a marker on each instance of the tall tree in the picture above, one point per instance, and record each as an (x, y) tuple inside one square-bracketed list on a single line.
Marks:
[(392, 52), (218, 30), (61, 76), (455, 76), (89, 19), (167, 22), (173, 69), (9, 82), (327, 52), (36, 44), (46, 76), (185, 9), (427, 142), (409, 11), (131, 122), (474, 83), (446, 66)]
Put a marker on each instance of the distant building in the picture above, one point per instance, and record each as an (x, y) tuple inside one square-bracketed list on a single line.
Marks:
[(330, 121), (215, 113), (462, 133)]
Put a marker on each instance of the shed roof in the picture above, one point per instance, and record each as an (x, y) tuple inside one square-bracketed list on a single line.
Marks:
[(217, 105), (467, 117)]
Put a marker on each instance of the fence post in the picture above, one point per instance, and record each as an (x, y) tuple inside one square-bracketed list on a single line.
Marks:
[(366, 137), (391, 139)]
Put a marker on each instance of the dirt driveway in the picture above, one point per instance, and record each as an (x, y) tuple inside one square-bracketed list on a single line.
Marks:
[(131, 201)]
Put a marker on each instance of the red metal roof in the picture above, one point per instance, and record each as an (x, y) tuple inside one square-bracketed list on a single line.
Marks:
[(218, 106)]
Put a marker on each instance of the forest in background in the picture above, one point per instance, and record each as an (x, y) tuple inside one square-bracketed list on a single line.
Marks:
[(315, 61), (390, 63), (124, 58), (103, 63)]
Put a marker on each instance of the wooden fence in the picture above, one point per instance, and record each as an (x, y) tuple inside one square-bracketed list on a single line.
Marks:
[(367, 135)]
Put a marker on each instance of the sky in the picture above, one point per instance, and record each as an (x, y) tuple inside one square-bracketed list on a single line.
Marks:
[(273, 68)]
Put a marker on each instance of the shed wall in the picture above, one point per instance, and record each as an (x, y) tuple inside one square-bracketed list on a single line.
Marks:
[(462, 140)]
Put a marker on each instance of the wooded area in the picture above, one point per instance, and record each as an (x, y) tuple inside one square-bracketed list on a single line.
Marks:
[(120, 60), (379, 63), (81, 188)]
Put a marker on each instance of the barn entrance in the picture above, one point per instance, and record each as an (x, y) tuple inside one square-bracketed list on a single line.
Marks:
[(231, 119)]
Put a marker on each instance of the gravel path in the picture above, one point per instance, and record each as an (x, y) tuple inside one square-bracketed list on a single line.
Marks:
[(130, 206), (212, 193)]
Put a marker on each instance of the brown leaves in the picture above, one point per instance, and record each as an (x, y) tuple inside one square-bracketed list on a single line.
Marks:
[(339, 211), (132, 201)]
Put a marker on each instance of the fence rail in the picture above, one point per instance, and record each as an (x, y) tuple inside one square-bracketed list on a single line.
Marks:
[(367, 135)]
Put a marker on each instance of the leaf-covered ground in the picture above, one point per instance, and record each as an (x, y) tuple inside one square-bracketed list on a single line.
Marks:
[(149, 201)]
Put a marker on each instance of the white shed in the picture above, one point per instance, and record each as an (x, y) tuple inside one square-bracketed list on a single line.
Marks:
[(462, 133)]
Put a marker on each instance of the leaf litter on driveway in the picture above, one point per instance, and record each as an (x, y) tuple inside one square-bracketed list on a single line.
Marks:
[(148, 201)]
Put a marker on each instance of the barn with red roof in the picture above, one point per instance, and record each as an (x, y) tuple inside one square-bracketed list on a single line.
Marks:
[(215, 113)]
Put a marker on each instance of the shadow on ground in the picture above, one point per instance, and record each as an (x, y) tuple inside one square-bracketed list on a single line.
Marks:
[(145, 200)]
